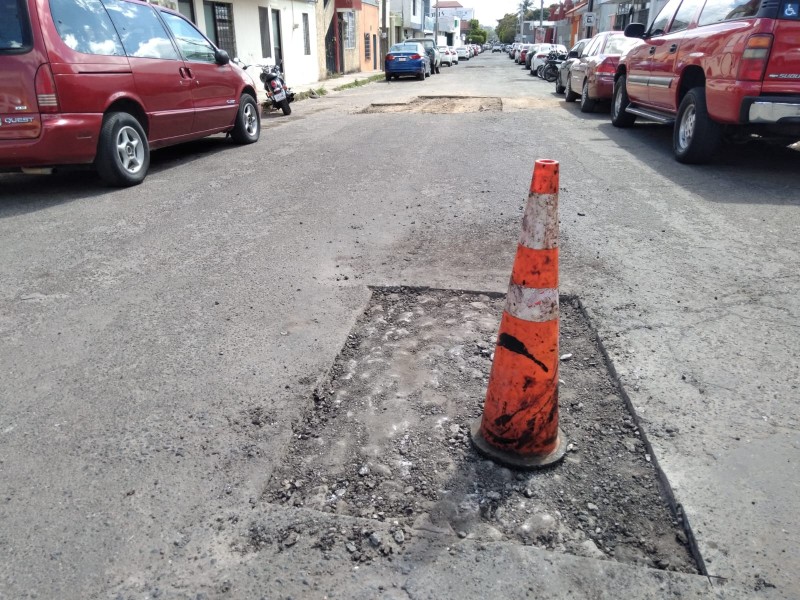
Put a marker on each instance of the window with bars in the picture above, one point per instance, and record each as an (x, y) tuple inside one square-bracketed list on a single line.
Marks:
[(367, 47), (306, 35), (349, 30), (219, 25)]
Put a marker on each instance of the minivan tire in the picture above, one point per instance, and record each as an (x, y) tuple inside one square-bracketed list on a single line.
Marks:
[(247, 128), (696, 136), (619, 102), (123, 154)]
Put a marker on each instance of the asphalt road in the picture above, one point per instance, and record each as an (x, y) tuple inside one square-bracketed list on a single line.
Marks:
[(158, 342)]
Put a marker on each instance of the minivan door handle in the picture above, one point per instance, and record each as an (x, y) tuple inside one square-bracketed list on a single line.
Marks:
[(673, 48)]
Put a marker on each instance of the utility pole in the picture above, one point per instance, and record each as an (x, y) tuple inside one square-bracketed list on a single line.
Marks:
[(590, 8), (436, 23), (384, 35)]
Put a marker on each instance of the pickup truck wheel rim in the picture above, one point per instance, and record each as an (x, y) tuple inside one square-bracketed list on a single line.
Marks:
[(686, 128), (618, 102)]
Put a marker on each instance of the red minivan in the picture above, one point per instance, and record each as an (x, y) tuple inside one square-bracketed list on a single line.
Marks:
[(105, 81)]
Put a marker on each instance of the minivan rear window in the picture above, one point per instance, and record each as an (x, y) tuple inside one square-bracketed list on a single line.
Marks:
[(15, 29), (85, 27)]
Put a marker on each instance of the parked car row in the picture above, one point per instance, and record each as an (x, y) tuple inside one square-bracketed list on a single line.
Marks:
[(713, 69), (421, 58)]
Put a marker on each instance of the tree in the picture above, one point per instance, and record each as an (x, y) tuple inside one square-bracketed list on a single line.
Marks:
[(476, 34), (491, 34), (507, 28)]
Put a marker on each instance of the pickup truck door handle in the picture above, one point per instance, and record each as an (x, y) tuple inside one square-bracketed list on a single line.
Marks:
[(652, 50), (673, 48)]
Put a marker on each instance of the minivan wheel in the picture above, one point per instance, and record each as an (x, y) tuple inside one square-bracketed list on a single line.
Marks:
[(696, 136), (248, 121), (123, 154), (619, 102)]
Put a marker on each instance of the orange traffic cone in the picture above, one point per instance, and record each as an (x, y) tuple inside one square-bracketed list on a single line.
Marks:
[(519, 427)]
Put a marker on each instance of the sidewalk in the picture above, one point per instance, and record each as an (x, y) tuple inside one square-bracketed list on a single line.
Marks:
[(332, 83)]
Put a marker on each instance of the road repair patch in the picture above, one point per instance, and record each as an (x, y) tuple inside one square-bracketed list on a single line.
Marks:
[(387, 439), (439, 105)]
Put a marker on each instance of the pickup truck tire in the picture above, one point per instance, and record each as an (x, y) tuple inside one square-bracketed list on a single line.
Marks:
[(696, 136), (619, 102)]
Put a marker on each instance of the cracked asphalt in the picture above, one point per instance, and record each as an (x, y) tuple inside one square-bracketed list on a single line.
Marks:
[(158, 342)]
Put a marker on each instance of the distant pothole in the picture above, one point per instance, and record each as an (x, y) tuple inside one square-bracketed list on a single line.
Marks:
[(440, 105), (387, 438)]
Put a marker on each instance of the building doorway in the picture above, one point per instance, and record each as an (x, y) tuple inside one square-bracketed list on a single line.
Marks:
[(277, 40)]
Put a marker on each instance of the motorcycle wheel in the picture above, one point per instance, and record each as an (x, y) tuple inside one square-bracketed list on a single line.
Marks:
[(284, 104)]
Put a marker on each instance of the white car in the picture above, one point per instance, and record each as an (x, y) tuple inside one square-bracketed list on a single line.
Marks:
[(447, 58), (453, 54), (462, 52)]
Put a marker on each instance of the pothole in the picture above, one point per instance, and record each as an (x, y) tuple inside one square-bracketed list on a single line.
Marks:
[(387, 438), (440, 105)]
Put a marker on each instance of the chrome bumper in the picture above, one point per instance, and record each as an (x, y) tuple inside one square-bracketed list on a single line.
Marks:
[(773, 112)]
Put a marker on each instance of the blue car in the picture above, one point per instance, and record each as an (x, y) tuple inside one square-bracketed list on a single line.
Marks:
[(408, 58)]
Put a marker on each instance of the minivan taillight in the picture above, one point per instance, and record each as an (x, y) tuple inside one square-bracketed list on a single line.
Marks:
[(755, 57), (46, 94)]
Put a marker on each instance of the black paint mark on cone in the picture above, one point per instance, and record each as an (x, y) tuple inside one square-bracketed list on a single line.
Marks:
[(512, 344)]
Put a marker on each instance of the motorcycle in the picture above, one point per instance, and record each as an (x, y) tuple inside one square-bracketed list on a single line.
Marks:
[(278, 93), (277, 90), (550, 69)]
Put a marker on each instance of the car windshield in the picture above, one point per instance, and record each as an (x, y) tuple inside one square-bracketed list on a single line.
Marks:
[(618, 44), (404, 48), (15, 31)]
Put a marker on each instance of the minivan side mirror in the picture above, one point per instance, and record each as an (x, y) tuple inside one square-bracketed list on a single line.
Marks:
[(221, 57), (572, 54), (635, 30)]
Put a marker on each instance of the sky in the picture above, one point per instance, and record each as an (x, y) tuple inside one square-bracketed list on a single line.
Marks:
[(488, 12)]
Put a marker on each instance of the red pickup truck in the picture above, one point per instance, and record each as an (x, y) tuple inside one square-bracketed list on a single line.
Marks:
[(711, 67)]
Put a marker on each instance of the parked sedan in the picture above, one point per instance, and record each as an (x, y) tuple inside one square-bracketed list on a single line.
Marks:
[(463, 53), (593, 72), (563, 69), (497, 48), (408, 58), (453, 54), (447, 58)]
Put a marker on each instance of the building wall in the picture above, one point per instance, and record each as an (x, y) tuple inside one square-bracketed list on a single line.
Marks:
[(370, 25), (298, 66)]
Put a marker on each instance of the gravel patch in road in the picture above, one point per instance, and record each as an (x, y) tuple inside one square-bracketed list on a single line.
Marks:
[(439, 105), (388, 439)]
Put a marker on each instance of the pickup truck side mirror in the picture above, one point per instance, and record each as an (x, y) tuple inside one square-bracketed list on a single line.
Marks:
[(635, 30), (572, 54)]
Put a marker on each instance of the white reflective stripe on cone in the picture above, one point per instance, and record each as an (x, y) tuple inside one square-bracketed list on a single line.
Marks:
[(530, 304), (540, 222)]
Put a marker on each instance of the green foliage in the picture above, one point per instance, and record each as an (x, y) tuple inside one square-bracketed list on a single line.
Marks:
[(476, 34), (507, 28)]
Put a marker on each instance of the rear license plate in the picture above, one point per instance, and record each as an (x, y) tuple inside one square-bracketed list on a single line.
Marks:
[(280, 96), (402, 59)]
